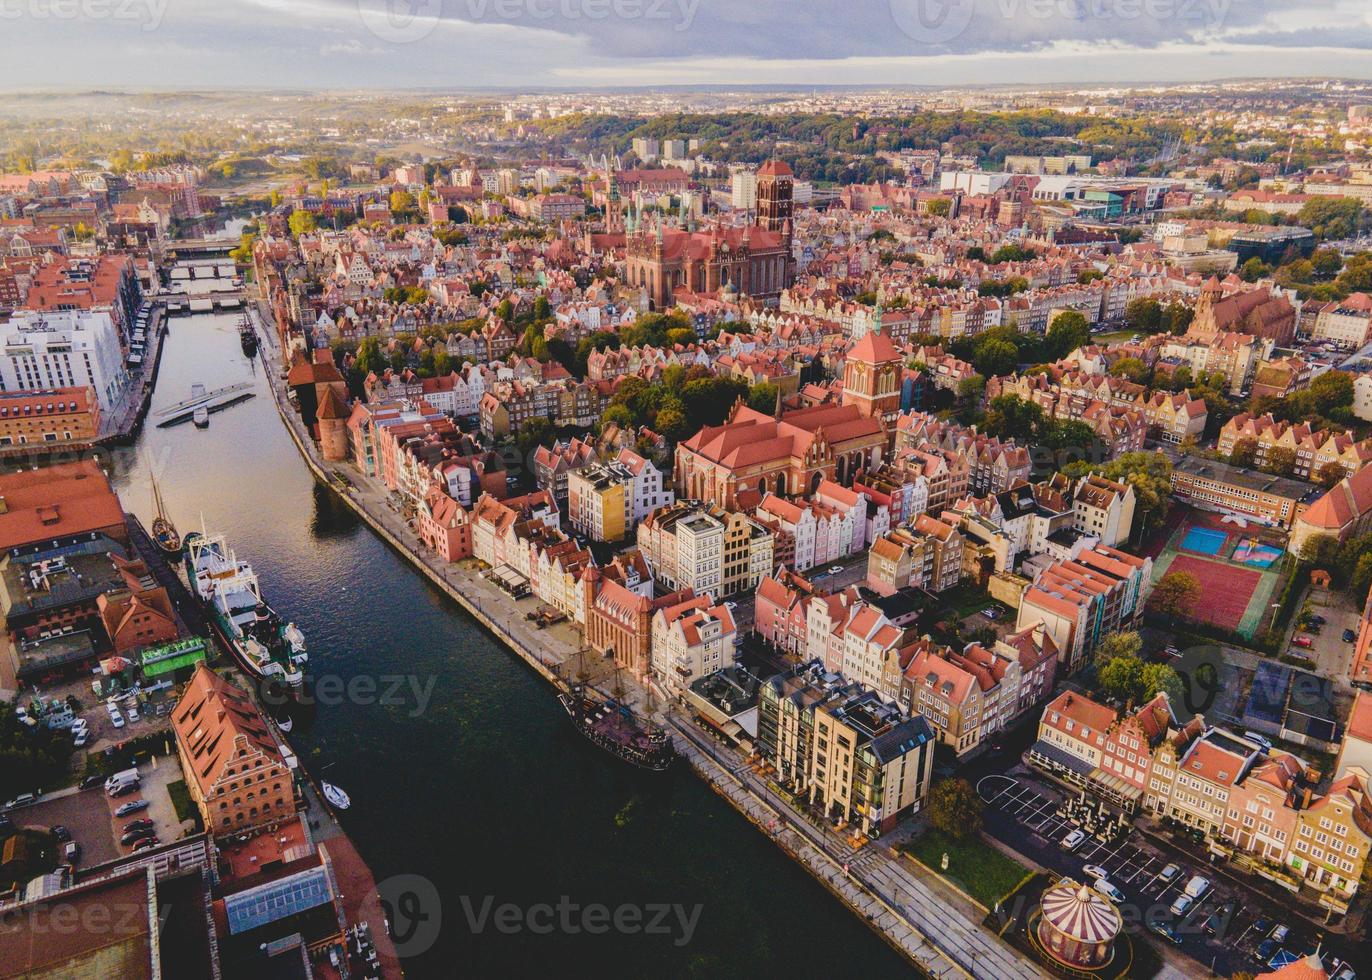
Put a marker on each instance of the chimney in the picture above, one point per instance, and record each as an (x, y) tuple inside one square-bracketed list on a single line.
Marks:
[(4, 506)]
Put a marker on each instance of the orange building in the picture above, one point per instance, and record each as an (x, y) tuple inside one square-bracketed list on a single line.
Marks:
[(235, 769), (138, 619), (55, 416), (57, 504)]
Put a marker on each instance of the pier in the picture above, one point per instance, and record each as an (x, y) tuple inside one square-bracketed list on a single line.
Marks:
[(213, 401)]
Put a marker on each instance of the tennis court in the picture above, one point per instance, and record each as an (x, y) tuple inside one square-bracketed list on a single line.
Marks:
[(1226, 591), (1204, 540)]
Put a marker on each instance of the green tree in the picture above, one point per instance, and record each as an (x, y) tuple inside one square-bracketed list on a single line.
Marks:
[(1011, 417), (536, 431), (955, 809), (1281, 461), (1126, 644), (1243, 454), (301, 223), (995, 358), (1132, 368), (1327, 262), (1120, 678), (402, 201), (672, 424), (762, 397), (1144, 314), (1069, 331), (1320, 551), (1254, 269), (1150, 474), (1175, 594)]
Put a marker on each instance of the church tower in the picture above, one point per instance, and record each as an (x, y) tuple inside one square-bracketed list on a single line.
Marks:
[(775, 185), (872, 374)]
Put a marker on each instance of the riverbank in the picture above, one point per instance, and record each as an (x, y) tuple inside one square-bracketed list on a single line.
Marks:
[(912, 915)]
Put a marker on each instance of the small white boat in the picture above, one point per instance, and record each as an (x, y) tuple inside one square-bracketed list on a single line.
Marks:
[(201, 417), (336, 797), (285, 724)]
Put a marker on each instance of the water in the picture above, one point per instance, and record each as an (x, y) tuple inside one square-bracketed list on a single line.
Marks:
[(488, 791)]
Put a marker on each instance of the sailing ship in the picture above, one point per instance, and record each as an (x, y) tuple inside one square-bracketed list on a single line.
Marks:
[(264, 645), (247, 335), (336, 797), (163, 530), (613, 726)]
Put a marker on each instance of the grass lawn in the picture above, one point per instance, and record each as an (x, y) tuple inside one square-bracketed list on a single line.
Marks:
[(1114, 337), (966, 600), (181, 801), (978, 869)]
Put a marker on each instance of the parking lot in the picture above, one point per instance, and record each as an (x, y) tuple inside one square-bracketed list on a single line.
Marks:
[(89, 815), (1223, 931)]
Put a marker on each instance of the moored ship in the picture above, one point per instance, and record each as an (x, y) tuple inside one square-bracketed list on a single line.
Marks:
[(163, 530), (613, 727), (264, 645), (247, 335)]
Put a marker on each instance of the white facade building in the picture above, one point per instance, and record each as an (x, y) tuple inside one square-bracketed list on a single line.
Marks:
[(64, 349)]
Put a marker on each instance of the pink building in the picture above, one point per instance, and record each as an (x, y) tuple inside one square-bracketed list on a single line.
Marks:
[(444, 526)]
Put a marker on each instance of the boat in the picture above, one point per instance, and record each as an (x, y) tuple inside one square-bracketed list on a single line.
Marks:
[(164, 532), (247, 335), (201, 417), (264, 645), (337, 798), (615, 728), (285, 724)]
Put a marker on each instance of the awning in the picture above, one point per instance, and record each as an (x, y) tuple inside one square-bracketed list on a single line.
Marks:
[(1052, 755), (1115, 785)]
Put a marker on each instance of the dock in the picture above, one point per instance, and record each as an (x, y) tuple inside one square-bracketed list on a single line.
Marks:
[(213, 401)]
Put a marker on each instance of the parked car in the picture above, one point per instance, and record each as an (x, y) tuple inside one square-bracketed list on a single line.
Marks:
[(146, 843), (835, 569), (1279, 934), (1349, 636), (1182, 904), (1168, 874), (142, 823), (92, 781), (1267, 949), (1317, 619), (23, 799), (1074, 840), (1095, 871), (133, 713), (71, 852), (132, 806), (133, 836), (116, 718), (1167, 931), (1197, 886), (1304, 642), (1109, 891), (60, 832), (122, 789)]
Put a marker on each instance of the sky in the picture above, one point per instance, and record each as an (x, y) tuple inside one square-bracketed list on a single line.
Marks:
[(589, 43)]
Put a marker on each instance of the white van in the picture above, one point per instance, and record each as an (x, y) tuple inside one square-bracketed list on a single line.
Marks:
[(117, 783)]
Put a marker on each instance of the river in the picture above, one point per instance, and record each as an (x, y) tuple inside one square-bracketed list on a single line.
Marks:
[(476, 784)]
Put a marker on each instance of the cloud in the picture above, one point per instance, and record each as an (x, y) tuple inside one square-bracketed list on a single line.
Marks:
[(523, 43)]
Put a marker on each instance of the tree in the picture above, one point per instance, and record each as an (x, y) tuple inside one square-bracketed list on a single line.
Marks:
[(1011, 417), (536, 431), (1320, 551), (970, 391), (939, 207), (301, 223), (1331, 473), (1069, 331), (1244, 452), (1155, 679), (1281, 461), (1144, 315), (955, 808), (994, 358), (1254, 269), (1150, 474), (1120, 678), (1130, 367), (672, 424), (1126, 644), (762, 397), (1176, 593), (402, 201), (1327, 262)]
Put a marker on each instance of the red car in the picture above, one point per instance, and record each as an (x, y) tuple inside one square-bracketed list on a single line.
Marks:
[(1303, 642)]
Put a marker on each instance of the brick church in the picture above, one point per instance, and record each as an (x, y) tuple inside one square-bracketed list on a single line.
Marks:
[(754, 260)]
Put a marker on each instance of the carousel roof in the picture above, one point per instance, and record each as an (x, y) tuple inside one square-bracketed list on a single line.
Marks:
[(1080, 912)]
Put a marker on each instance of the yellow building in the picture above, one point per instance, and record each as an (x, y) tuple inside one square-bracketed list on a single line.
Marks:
[(599, 498)]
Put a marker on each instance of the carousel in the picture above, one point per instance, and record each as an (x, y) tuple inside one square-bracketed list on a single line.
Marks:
[(1078, 926)]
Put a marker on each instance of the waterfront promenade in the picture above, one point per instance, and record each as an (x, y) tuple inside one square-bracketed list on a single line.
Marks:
[(915, 914)]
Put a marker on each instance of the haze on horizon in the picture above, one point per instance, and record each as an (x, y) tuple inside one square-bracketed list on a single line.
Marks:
[(586, 43)]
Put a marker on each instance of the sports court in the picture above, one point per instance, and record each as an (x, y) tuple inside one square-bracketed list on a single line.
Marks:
[(1238, 573)]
